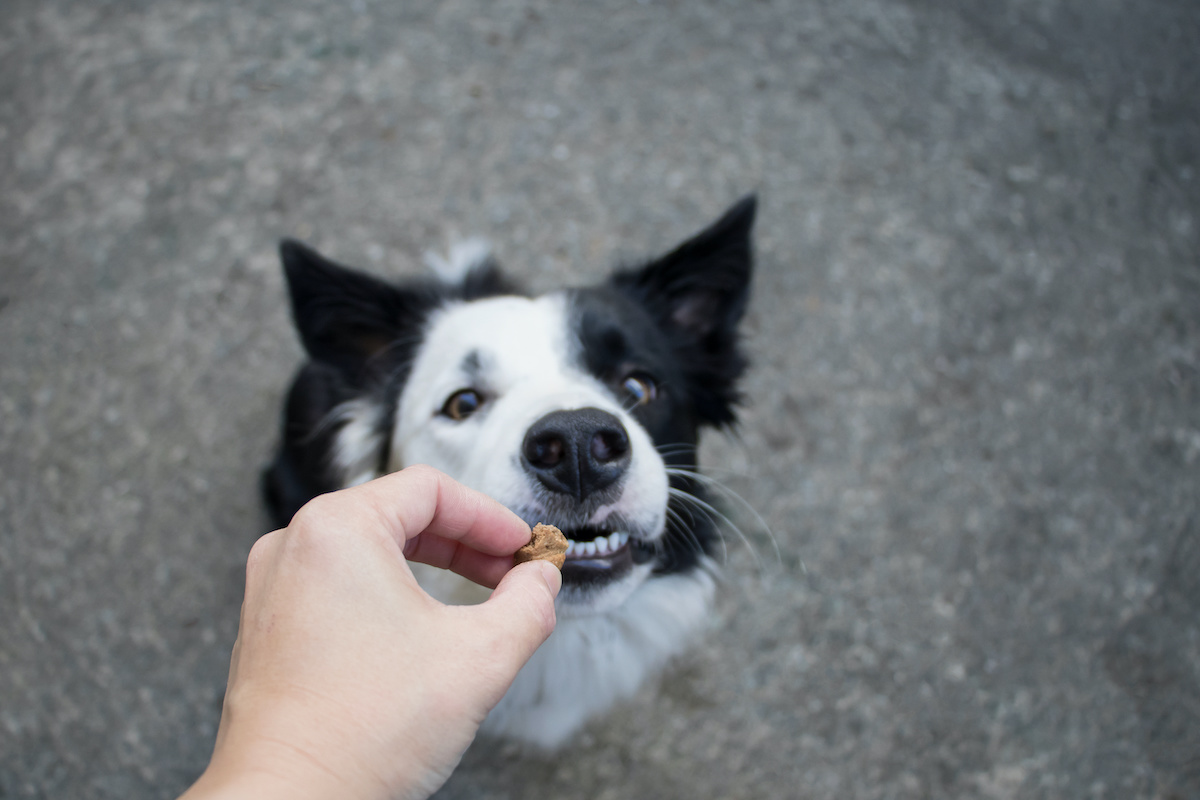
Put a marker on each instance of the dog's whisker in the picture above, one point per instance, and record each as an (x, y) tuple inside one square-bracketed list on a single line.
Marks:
[(675, 449), (718, 517), (696, 506), (686, 499), (711, 482), (685, 531)]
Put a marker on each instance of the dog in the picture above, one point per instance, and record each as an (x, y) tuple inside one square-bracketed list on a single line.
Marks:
[(581, 408)]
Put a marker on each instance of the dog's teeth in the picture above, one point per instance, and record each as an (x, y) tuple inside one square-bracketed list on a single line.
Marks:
[(600, 546)]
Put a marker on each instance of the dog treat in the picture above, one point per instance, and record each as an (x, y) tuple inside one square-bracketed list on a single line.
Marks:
[(547, 544)]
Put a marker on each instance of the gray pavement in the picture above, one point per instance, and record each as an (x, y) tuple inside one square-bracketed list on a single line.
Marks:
[(973, 424)]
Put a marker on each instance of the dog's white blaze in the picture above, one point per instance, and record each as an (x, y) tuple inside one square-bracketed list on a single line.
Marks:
[(525, 370)]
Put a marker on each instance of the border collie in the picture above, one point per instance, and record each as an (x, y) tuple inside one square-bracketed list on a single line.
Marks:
[(580, 408)]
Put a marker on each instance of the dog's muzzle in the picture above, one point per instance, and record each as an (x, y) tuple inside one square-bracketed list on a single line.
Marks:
[(580, 458)]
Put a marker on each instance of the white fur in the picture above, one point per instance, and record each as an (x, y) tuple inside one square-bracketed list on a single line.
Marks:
[(462, 257), (590, 663), (356, 447)]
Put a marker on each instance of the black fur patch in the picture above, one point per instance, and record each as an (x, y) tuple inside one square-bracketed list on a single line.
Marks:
[(698, 293)]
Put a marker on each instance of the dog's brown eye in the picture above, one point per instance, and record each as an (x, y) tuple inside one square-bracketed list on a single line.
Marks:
[(641, 388), (462, 404)]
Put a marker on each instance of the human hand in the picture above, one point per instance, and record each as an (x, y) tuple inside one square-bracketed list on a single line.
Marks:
[(347, 680)]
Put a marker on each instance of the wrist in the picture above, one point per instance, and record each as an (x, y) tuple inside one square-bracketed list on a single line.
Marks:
[(276, 770), (218, 783)]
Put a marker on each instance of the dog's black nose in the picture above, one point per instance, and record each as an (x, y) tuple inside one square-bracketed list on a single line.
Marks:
[(577, 452)]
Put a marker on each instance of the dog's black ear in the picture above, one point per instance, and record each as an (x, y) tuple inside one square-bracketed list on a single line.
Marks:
[(348, 319), (700, 287), (698, 293)]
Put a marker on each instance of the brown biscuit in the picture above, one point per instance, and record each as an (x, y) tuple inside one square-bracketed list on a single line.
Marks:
[(547, 544)]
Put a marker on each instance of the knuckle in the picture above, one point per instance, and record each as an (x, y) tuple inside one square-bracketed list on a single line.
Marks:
[(423, 475), (313, 515), (318, 524), (258, 554), (422, 471)]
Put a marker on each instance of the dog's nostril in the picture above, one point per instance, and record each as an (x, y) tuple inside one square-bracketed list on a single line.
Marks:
[(609, 445), (545, 451)]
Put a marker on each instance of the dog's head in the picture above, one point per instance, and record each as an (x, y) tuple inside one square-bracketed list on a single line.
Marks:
[(579, 408)]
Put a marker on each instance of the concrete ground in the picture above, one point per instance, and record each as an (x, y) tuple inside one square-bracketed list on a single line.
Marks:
[(973, 423)]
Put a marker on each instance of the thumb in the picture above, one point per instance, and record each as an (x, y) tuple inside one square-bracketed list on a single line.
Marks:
[(520, 614)]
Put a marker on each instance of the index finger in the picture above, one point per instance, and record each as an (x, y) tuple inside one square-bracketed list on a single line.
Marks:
[(421, 500)]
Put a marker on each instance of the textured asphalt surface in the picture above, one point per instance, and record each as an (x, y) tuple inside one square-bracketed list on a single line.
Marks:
[(972, 429)]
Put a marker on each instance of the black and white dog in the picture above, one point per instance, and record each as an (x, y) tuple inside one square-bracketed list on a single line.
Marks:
[(580, 408)]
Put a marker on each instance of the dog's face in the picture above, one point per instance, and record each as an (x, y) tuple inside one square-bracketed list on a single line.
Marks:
[(504, 396), (580, 408)]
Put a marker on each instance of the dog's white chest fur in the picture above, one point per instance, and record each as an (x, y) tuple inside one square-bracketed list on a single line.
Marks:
[(592, 660)]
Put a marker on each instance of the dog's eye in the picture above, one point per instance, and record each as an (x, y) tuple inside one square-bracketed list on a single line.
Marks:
[(462, 404), (641, 388)]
